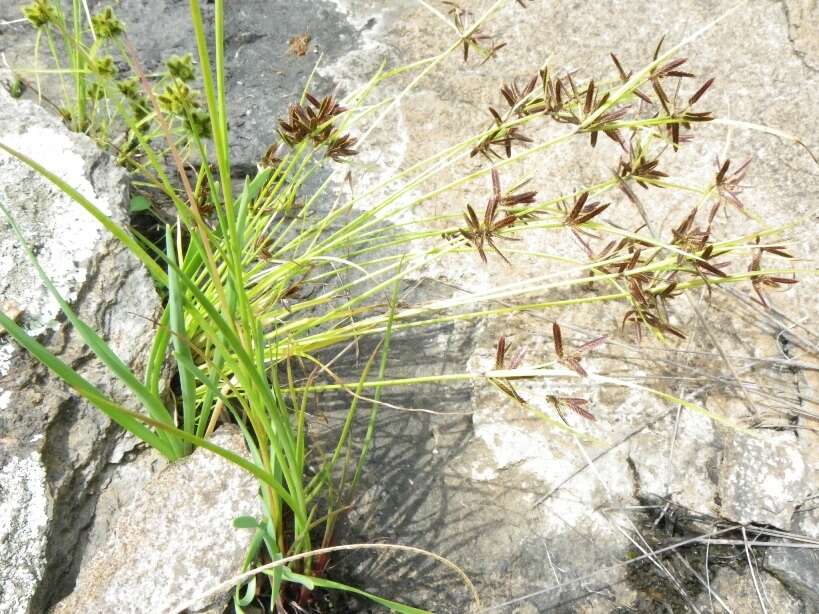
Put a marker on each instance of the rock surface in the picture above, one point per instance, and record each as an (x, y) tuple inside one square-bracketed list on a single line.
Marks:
[(761, 480), (55, 446), (738, 591), (798, 568), (803, 18), (175, 538), (25, 511)]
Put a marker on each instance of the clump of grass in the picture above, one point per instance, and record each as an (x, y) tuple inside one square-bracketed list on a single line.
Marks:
[(99, 90), (259, 280)]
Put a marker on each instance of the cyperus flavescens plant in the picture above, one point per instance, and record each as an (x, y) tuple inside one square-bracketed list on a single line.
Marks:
[(94, 94), (261, 281)]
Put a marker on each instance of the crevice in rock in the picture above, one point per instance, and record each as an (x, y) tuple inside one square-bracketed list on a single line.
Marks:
[(75, 488), (785, 346), (635, 476)]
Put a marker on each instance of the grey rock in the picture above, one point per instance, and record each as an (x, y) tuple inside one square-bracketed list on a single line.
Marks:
[(174, 540), (738, 590), (688, 477), (807, 520), (761, 480), (54, 445), (798, 569), (117, 484), (25, 510), (803, 19)]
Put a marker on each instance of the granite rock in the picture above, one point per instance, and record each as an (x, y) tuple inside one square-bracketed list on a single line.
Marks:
[(738, 591), (55, 446), (761, 480), (175, 538), (798, 569)]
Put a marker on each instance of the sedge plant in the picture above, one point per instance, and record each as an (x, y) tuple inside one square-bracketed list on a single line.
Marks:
[(262, 278)]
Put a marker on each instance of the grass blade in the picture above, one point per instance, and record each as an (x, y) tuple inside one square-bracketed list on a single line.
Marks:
[(84, 388), (311, 583), (179, 338)]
